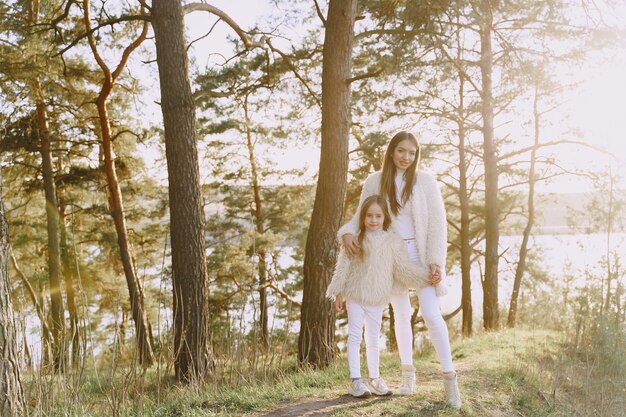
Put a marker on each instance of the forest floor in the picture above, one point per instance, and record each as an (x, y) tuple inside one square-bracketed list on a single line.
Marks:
[(500, 374), (506, 373)]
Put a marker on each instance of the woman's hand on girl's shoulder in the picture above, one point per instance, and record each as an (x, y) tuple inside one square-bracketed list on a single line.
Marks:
[(351, 245), (339, 304)]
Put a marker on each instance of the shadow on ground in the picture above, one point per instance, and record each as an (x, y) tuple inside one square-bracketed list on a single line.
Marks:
[(322, 407)]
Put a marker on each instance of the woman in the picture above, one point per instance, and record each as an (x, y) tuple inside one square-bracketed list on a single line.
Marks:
[(418, 215)]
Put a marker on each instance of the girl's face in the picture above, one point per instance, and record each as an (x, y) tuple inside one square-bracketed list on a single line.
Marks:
[(404, 154), (374, 217)]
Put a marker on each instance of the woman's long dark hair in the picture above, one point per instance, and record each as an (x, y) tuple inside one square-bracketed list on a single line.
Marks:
[(373, 199), (387, 182)]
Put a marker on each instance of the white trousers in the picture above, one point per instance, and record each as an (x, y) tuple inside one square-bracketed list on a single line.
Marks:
[(430, 310), (360, 316)]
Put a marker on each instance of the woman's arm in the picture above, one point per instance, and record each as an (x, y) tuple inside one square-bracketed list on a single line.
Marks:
[(437, 238)]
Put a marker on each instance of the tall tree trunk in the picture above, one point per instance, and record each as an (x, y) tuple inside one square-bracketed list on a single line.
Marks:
[(464, 236), (135, 291), (194, 358), (11, 394), (57, 310), (317, 324), (57, 315), (523, 252), (260, 229), (490, 281)]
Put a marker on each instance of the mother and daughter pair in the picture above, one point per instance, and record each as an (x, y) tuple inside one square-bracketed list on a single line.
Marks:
[(396, 242)]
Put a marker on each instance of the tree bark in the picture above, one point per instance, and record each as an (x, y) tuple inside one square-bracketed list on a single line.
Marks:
[(492, 233), (317, 325), (57, 310), (135, 291), (193, 359), (523, 252), (11, 394), (464, 236)]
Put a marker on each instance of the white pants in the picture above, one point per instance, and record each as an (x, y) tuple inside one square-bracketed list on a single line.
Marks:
[(429, 307), (358, 317)]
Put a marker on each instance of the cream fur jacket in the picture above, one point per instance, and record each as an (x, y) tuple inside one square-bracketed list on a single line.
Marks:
[(429, 217), (384, 269)]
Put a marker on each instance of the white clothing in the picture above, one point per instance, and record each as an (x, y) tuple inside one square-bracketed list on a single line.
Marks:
[(358, 317), (403, 223), (429, 228), (429, 217), (431, 312), (383, 269)]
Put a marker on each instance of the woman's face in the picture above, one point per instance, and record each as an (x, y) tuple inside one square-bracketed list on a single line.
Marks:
[(404, 154), (374, 217)]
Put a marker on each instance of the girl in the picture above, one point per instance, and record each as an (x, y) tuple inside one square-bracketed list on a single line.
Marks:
[(419, 217), (366, 283)]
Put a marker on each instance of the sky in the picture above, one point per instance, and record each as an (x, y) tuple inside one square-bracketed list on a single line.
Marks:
[(595, 107)]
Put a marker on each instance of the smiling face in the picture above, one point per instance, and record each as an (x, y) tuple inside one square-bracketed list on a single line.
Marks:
[(374, 217), (404, 154)]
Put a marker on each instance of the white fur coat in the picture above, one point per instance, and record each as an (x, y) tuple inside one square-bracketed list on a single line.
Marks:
[(383, 269), (429, 217)]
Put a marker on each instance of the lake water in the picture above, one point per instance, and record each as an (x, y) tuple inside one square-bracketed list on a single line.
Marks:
[(558, 255)]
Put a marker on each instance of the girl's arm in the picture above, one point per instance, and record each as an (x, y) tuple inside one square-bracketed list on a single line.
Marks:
[(336, 288)]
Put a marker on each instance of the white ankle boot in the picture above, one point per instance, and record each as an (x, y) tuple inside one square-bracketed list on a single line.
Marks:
[(451, 385), (407, 386)]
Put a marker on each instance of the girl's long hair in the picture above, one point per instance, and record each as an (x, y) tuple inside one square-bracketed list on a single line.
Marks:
[(388, 180), (369, 201)]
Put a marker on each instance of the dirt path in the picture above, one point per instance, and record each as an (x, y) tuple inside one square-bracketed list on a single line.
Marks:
[(491, 378)]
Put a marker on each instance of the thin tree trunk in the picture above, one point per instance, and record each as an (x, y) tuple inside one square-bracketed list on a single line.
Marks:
[(45, 330), (492, 233), (609, 231), (464, 236), (523, 252), (68, 262), (135, 291), (57, 310), (194, 358), (46, 336), (317, 324), (11, 394), (260, 229), (392, 344)]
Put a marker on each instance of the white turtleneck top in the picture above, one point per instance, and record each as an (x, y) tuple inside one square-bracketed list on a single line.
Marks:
[(404, 220)]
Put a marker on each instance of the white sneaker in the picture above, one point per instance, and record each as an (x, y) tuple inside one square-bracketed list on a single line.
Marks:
[(359, 389), (452, 390), (407, 386), (378, 387)]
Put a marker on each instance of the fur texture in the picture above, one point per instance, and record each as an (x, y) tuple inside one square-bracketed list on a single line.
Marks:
[(384, 269), (429, 217)]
